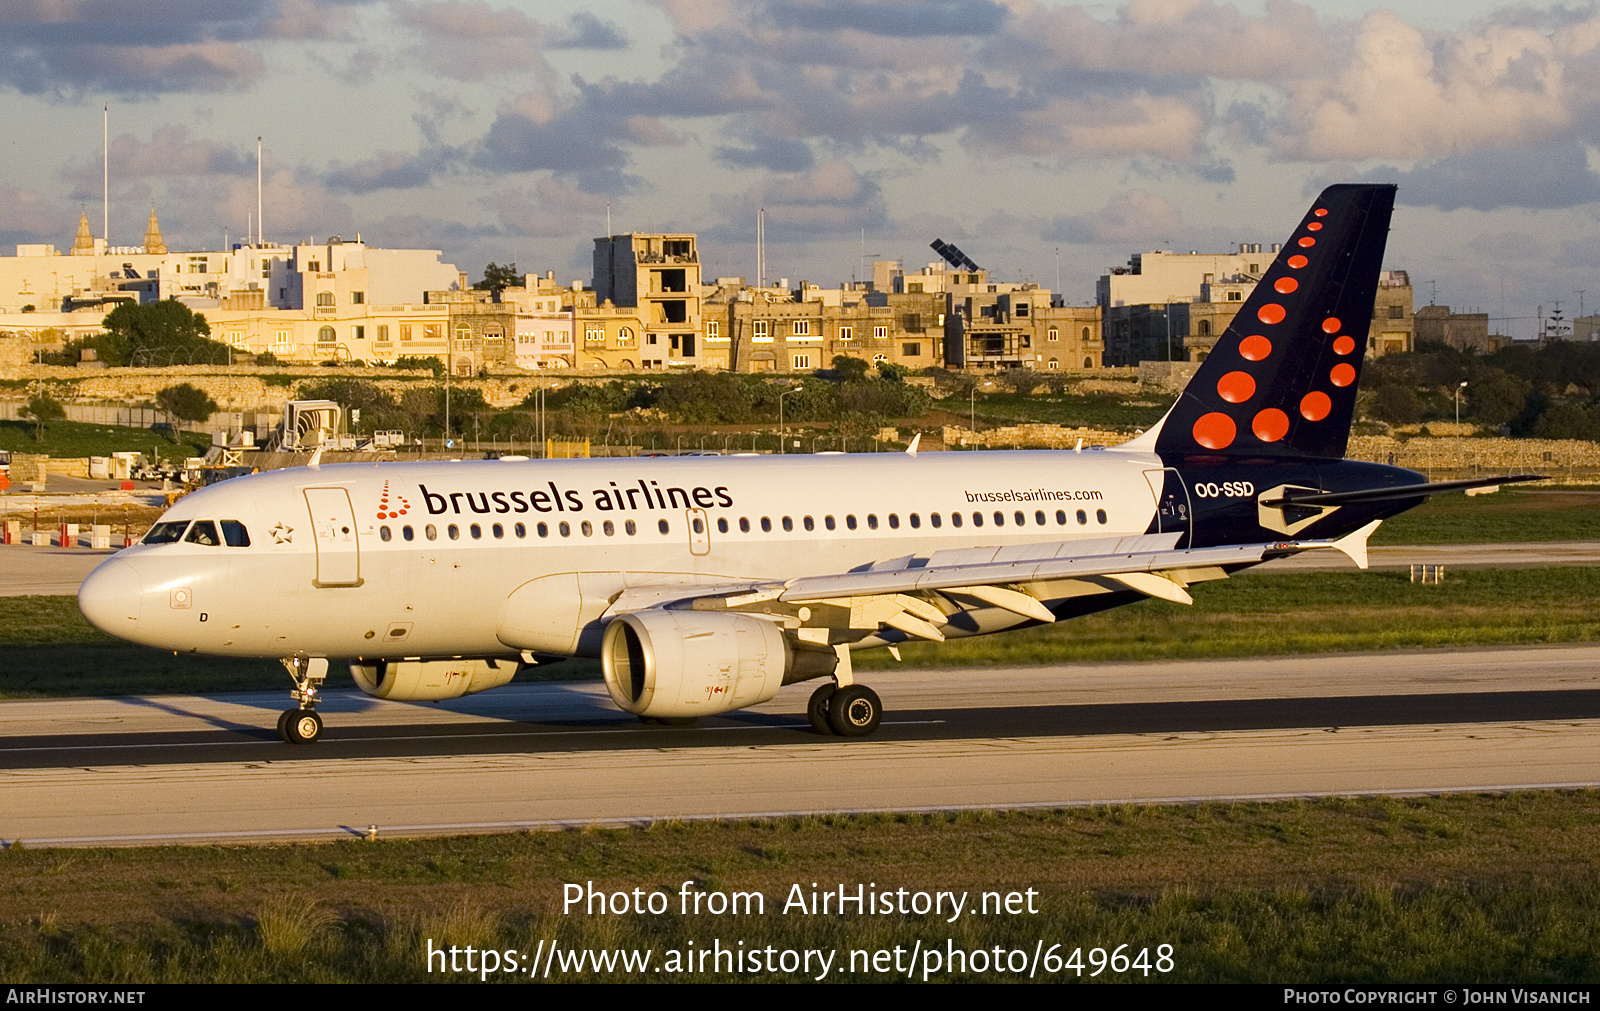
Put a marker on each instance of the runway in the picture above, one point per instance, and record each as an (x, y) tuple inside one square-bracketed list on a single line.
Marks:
[(185, 769)]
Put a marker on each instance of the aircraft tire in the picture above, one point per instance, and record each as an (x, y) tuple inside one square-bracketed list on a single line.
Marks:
[(854, 711), (300, 726), (817, 710)]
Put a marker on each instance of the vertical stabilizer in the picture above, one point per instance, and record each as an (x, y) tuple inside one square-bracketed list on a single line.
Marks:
[(1282, 378)]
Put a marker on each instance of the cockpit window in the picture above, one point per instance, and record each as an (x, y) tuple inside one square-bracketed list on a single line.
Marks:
[(166, 533), (234, 534), (203, 532)]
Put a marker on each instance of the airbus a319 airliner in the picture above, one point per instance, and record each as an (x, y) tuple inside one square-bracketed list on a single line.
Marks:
[(706, 584)]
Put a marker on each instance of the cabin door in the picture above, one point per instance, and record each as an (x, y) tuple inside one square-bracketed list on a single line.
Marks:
[(1173, 514), (333, 524)]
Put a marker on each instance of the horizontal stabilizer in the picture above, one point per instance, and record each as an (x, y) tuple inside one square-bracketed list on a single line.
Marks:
[(1405, 491)]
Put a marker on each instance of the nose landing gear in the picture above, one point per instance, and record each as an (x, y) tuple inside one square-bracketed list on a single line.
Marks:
[(302, 725)]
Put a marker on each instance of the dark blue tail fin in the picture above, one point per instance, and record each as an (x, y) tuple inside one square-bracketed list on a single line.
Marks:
[(1281, 380)]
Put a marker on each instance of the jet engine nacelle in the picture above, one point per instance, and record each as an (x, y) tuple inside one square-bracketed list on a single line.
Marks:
[(684, 663), (430, 680)]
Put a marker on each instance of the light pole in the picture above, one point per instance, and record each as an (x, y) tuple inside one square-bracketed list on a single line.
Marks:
[(783, 431), (1458, 400), (972, 407)]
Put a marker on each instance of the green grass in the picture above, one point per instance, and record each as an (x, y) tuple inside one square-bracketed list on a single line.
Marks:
[(1464, 889), (1534, 514), (52, 650), (1092, 410), (75, 439)]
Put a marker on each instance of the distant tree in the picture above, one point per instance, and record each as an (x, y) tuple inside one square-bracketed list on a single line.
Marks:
[(893, 372), (378, 409), (417, 362), (185, 402), (157, 332), (40, 408), (1022, 381), (1565, 421), (266, 358), (498, 277), (1497, 397), (850, 370), (1396, 404)]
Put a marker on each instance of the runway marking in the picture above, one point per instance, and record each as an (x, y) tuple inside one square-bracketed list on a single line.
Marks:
[(430, 737)]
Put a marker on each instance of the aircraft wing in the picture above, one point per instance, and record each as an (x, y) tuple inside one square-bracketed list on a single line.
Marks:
[(917, 594)]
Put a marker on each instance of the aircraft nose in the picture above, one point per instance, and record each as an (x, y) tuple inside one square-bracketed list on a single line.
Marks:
[(109, 598)]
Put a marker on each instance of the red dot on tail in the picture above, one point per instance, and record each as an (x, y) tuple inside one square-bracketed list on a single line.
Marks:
[(1255, 348), (1306, 242), (1332, 325), (1343, 374), (1344, 345), (1315, 406), (1236, 387), (1270, 425), (1215, 431), (1285, 285), (1315, 226), (1321, 212), (1272, 312), (1297, 261)]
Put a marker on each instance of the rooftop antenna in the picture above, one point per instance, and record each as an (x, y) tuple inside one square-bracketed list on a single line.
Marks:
[(608, 219), (259, 219), (105, 174), (1433, 292), (761, 248)]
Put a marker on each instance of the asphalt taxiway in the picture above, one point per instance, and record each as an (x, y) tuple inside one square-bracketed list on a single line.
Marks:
[(190, 769)]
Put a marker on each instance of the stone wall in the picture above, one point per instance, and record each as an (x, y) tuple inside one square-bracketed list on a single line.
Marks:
[(1033, 436)]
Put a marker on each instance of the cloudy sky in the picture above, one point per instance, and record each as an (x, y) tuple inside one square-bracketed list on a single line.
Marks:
[(1028, 132)]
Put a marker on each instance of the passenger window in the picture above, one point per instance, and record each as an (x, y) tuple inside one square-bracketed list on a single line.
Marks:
[(722, 524), (1038, 517), (587, 528), (664, 527), (383, 533), (564, 528), (827, 521), (788, 524), (934, 519), (166, 533), (476, 531), (631, 527), (454, 532), (1083, 517), (766, 524), (520, 529), (894, 521), (916, 522), (1021, 518), (697, 526), (543, 530), (430, 532), (203, 532), (1061, 517), (809, 523), (1100, 514), (872, 521), (407, 533), (977, 519), (608, 528), (234, 535), (955, 519), (850, 521), (498, 531), (744, 525), (999, 518)]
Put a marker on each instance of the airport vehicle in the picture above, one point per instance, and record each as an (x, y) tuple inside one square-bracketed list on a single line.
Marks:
[(705, 584)]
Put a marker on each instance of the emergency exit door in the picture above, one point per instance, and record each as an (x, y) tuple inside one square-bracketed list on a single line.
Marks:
[(333, 525)]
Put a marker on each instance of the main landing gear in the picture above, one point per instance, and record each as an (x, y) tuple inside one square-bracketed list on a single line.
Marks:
[(302, 725), (844, 708)]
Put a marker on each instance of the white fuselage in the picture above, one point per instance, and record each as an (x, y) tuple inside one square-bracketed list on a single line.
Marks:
[(420, 559)]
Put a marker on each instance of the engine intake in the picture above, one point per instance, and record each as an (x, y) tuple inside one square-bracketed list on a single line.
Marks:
[(430, 680), (682, 663)]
